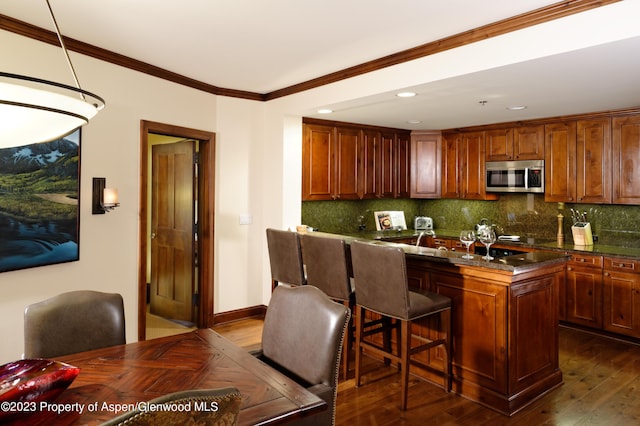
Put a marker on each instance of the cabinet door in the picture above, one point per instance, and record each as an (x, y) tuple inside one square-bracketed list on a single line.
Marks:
[(621, 300), (499, 145), (560, 162), (317, 162), (584, 291), (347, 166), (593, 161), (450, 166), (626, 160), (370, 160), (387, 165), (472, 168), (403, 166), (425, 157), (528, 143)]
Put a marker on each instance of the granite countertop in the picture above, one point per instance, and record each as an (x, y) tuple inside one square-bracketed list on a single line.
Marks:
[(534, 243), (515, 264)]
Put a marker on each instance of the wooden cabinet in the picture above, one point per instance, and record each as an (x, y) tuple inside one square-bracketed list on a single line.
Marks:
[(318, 162), (578, 161), (449, 244), (621, 308), (593, 161), (403, 186), (388, 168), (504, 333), (499, 145), (425, 159), (331, 163), (583, 290), (560, 162), (522, 143), (528, 143), (349, 162), (626, 160), (463, 166)]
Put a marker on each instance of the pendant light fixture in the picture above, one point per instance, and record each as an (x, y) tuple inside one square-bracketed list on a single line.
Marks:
[(34, 110)]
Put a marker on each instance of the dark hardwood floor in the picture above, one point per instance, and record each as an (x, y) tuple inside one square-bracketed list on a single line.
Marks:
[(601, 387)]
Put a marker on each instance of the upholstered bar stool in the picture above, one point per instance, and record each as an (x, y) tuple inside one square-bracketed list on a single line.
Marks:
[(285, 258), (380, 274), (328, 267)]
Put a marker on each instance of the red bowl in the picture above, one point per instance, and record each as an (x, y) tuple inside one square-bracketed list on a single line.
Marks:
[(34, 380)]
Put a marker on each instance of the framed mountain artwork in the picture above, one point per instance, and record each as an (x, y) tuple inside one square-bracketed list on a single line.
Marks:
[(39, 203)]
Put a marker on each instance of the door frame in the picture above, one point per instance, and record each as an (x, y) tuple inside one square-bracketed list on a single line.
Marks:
[(206, 216)]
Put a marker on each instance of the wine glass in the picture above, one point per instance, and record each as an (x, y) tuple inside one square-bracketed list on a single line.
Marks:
[(467, 237), (487, 237)]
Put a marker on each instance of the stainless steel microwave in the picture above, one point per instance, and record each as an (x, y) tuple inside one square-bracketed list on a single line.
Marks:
[(515, 176)]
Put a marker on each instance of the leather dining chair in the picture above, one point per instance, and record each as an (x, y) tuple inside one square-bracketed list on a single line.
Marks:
[(328, 267), (302, 337), (73, 322), (380, 274), (285, 258), (209, 407)]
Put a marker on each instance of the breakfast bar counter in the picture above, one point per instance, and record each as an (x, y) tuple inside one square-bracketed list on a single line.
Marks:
[(505, 318)]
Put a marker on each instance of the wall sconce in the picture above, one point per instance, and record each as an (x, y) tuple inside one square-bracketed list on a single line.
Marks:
[(104, 199)]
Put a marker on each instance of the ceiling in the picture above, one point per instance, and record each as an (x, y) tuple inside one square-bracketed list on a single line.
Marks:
[(264, 46)]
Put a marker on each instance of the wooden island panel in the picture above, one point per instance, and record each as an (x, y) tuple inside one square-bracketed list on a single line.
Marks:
[(505, 331)]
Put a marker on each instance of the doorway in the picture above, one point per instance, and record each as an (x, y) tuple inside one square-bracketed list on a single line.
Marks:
[(189, 248)]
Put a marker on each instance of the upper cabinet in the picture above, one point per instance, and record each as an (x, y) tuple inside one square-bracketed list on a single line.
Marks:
[(626, 160), (350, 162), (463, 166), (528, 143), (518, 143), (426, 162), (593, 165), (331, 163), (580, 166), (560, 162)]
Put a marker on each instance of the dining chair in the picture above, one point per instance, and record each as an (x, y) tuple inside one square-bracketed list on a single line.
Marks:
[(73, 322), (328, 267), (380, 274), (285, 258), (302, 337), (204, 407)]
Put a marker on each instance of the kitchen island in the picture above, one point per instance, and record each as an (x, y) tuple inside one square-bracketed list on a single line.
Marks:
[(505, 318)]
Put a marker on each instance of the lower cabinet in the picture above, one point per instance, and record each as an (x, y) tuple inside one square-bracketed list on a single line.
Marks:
[(583, 290), (603, 293), (449, 244), (621, 308)]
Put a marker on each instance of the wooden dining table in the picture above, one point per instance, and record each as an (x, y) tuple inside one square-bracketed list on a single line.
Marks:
[(113, 378)]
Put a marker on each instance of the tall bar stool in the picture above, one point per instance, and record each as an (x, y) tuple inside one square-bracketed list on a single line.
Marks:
[(285, 258), (328, 267), (380, 274)]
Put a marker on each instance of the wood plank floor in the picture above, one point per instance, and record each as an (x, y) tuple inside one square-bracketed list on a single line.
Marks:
[(601, 387)]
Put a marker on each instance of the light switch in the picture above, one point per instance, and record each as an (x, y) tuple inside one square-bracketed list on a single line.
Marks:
[(246, 219)]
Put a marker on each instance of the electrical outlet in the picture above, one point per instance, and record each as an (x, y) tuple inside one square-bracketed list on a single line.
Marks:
[(246, 219)]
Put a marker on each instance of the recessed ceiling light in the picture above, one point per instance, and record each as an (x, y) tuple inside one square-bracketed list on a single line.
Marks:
[(414, 121), (406, 94), (325, 111), (516, 107)]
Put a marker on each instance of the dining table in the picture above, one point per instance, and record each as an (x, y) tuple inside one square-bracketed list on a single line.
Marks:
[(115, 378)]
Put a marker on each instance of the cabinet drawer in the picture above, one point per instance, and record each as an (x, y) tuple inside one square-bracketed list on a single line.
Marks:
[(585, 260), (622, 265)]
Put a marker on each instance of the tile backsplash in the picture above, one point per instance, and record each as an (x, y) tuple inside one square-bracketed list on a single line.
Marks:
[(526, 215)]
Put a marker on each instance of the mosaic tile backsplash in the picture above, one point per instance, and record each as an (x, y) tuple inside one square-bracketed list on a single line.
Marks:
[(526, 215)]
